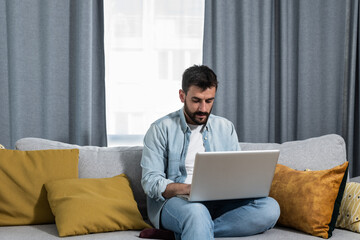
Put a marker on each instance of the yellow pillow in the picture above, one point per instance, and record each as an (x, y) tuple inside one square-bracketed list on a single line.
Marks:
[(349, 214), (92, 205), (309, 200), (22, 176)]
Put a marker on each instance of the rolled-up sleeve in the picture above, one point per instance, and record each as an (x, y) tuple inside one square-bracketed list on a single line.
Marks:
[(154, 164)]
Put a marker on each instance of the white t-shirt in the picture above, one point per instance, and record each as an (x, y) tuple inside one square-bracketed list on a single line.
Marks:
[(196, 145)]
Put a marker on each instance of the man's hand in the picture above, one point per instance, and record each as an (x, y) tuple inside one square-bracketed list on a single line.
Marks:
[(174, 189)]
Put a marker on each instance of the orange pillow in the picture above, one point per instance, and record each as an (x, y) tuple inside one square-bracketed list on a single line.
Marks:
[(309, 200)]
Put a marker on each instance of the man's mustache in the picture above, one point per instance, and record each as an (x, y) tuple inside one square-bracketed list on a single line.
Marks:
[(202, 113)]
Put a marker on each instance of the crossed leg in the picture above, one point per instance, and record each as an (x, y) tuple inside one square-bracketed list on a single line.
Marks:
[(232, 218)]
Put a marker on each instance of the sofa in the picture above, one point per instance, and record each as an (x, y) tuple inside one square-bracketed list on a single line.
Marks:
[(315, 154)]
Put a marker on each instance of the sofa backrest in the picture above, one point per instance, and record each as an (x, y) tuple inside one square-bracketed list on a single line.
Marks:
[(99, 162), (319, 153), (316, 153)]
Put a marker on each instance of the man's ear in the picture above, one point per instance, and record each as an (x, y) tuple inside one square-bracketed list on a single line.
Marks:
[(182, 95)]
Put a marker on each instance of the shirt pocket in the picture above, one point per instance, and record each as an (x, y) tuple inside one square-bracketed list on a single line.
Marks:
[(173, 168)]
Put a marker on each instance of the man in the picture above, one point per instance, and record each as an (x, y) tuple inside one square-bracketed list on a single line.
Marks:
[(167, 162)]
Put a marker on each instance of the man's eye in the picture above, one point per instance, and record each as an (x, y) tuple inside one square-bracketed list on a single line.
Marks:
[(209, 101)]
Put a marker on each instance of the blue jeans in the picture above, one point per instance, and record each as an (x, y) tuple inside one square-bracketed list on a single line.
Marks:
[(227, 218)]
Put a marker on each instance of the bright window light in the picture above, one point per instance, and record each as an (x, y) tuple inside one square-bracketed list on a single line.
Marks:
[(148, 45)]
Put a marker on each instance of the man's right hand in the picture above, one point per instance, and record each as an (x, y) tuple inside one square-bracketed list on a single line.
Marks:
[(174, 189)]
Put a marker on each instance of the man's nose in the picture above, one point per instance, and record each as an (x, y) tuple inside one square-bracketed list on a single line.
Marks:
[(202, 107)]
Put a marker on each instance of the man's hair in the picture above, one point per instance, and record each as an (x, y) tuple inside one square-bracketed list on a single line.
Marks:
[(200, 76)]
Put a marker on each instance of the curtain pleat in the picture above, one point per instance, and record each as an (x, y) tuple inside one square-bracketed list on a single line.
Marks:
[(52, 71)]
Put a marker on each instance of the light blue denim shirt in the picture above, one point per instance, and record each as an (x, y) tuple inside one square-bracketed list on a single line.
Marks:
[(165, 148)]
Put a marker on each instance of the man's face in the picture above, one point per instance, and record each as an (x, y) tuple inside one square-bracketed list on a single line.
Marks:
[(198, 104)]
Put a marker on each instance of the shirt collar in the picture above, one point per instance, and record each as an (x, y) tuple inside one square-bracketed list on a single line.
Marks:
[(183, 123)]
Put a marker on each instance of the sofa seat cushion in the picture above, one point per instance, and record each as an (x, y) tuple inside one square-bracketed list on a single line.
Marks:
[(49, 232)]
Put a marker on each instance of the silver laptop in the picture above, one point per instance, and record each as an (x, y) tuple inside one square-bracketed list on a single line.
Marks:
[(232, 175)]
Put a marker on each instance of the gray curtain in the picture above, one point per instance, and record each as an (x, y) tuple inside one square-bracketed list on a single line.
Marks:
[(288, 69), (52, 71)]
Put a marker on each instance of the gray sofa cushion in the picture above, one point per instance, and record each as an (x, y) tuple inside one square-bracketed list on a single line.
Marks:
[(99, 162), (49, 232), (318, 153)]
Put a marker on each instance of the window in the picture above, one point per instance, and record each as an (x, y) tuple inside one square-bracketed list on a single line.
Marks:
[(148, 45)]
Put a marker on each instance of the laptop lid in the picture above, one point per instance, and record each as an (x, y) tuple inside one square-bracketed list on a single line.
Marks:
[(233, 175)]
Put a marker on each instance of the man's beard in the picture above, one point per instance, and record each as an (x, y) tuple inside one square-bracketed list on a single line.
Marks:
[(193, 115)]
